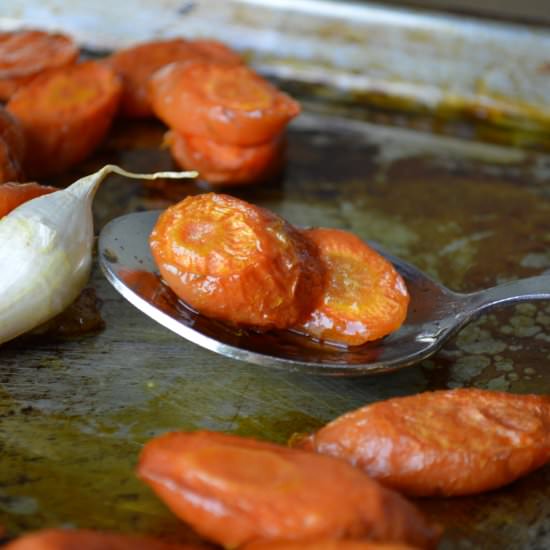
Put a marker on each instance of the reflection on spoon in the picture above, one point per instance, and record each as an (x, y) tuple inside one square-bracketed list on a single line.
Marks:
[(435, 312)]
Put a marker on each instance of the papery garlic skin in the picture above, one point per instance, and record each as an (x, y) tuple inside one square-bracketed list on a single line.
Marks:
[(46, 252)]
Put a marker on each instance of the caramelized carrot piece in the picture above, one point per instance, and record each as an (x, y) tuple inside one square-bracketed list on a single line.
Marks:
[(364, 297), (65, 114), (226, 164), (326, 545), (229, 104), (14, 194), (234, 490), (59, 539), (455, 442), (25, 54), (237, 262), (136, 64)]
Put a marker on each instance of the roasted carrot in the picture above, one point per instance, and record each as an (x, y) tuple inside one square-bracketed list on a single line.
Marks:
[(234, 491), (226, 164), (60, 539), (237, 262), (364, 297), (136, 64), (229, 104), (455, 442), (65, 114), (25, 54), (14, 194), (326, 545)]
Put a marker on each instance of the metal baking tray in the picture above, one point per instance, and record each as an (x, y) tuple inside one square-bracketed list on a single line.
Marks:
[(375, 83)]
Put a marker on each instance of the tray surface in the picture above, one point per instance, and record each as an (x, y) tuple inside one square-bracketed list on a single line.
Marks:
[(74, 411)]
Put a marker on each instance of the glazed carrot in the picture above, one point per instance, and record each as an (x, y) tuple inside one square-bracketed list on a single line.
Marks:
[(226, 164), (455, 442), (65, 114), (364, 297), (326, 545), (229, 104), (136, 64), (25, 54), (14, 194), (59, 539), (237, 262), (234, 491)]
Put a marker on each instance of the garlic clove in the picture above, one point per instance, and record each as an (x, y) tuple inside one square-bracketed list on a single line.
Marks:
[(46, 251)]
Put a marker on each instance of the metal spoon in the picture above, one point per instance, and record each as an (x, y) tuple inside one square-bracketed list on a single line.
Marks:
[(435, 312)]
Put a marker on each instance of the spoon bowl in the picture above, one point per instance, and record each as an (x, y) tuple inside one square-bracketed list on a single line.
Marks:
[(435, 312)]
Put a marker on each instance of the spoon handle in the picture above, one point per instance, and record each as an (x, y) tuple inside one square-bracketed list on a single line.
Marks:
[(523, 290)]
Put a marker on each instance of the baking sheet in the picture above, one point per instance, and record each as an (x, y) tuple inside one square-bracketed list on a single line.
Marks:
[(74, 412)]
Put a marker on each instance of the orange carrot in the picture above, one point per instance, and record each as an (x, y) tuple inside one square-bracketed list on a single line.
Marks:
[(65, 114), (25, 54), (236, 262), (14, 194), (229, 104), (364, 297), (326, 545), (455, 442), (136, 64), (59, 539), (227, 164), (234, 491)]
